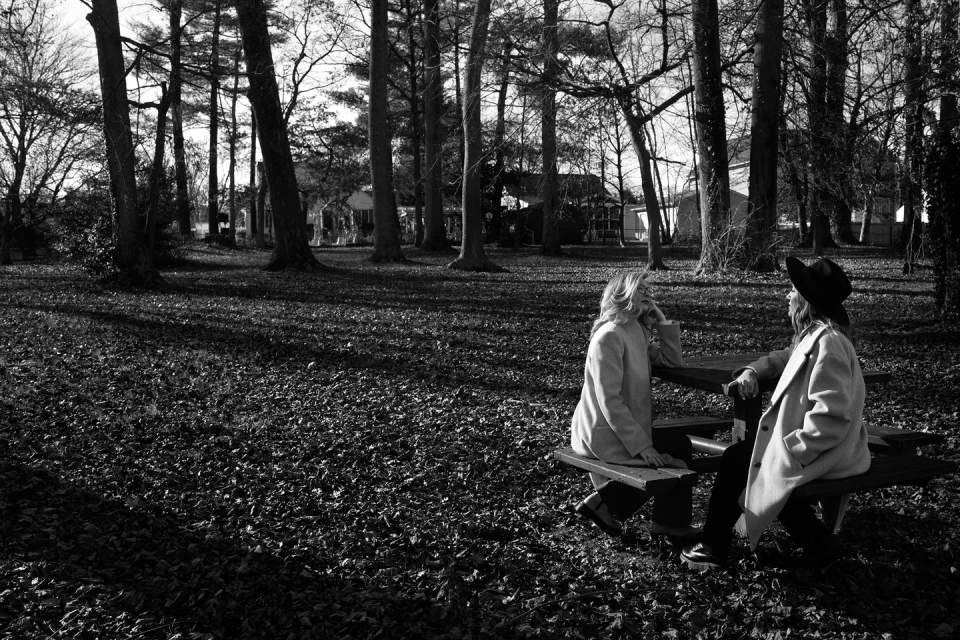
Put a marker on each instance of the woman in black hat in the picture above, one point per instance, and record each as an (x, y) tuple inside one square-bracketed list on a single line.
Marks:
[(813, 427)]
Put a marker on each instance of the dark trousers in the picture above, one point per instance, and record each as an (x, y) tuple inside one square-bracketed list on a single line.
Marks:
[(797, 517), (671, 509)]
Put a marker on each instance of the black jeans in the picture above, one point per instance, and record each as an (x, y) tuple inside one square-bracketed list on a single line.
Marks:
[(671, 509), (797, 517)]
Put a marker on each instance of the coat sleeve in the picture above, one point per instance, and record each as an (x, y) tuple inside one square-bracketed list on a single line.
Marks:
[(605, 358), (828, 421), (668, 353), (767, 367)]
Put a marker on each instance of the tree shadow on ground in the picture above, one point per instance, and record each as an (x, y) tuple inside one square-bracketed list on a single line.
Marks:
[(68, 549)]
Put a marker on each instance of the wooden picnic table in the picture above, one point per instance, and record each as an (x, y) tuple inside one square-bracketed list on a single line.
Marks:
[(715, 375), (895, 461)]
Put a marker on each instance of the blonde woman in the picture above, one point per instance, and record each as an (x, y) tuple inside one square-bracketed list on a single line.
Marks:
[(613, 421), (813, 427)]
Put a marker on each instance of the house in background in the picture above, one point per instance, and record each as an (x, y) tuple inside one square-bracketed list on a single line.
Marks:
[(589, 212), (452, 221), (738, 154)]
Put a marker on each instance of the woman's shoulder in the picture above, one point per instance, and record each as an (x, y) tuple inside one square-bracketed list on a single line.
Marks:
[(831, 340), (615, 332)]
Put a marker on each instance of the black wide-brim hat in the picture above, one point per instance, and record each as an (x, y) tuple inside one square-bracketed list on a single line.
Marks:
[(824, 285)]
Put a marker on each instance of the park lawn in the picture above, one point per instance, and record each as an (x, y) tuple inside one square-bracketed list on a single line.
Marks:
[(366, 452)]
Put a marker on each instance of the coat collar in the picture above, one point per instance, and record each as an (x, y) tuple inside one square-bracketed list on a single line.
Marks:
[(798, 359)]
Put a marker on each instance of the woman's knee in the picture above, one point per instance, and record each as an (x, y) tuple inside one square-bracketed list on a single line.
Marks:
[(736, 456)]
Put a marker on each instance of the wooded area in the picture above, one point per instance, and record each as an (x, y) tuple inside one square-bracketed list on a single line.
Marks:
[(839, 112)]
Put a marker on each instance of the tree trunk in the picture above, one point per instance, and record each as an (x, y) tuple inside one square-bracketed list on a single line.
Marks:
[(550, 239), (416, 125), (913, 100), (130, 258), (458, 89), (666, 237), (261, 205), (256, 203), (232, 172), (386, 239), (11, 218), (176, 108), (762, 203), (943, 175), (520, 221), (499, 138), (213, 182), (654, 249), (820, 140), (156, 173), (711, 133), (867, 220), (292, 250), (837, 59), (434, 233), (472, 256)]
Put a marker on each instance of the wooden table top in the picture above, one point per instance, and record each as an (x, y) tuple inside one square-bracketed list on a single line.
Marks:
[(715, 373)]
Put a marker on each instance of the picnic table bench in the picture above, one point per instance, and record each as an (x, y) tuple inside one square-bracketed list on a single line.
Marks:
[(895, 460)]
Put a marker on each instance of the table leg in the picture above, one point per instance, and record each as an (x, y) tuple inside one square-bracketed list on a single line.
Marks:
[(833, 508), (746, 416)]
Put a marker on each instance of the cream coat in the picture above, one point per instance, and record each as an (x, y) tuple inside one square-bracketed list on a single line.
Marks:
[(813, 427), (613, 421)]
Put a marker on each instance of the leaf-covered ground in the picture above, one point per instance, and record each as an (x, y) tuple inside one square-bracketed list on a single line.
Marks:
[(366, 453)]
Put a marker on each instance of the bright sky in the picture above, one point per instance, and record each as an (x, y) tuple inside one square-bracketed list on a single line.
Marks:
[(75, 14)]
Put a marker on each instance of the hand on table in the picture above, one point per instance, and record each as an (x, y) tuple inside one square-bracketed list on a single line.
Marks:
[(747, 384)]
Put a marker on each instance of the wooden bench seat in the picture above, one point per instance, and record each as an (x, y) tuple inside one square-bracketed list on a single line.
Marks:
[(893, 464), (884, 440), (893, 441), (651, 480), (884, 471)]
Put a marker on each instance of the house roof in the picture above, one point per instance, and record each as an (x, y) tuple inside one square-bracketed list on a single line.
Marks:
[(570, 186)]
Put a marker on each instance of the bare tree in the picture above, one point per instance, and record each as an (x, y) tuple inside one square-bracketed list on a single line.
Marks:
[(710, 130), (765, 108), (610, 44), (434, 236), (45, 116), (131, 257), (386, 236), (472, 256), (550, 242), (176, 106), (292, 250), (913, 100), (943, 171), (213, 106)]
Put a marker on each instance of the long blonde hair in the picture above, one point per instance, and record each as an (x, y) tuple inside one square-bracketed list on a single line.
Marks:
[(806, 318), (626, 297)]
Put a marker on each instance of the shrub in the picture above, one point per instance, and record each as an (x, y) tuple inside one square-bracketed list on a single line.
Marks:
[(83, 229)]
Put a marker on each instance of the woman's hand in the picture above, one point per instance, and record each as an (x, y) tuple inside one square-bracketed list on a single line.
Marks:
[(655, 314), (652, 457), (747, 384)]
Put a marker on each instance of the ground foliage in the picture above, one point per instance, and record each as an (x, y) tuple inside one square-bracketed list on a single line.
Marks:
[(366, 453)]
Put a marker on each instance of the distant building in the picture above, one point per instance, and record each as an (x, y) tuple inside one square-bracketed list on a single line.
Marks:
[(589, 211), (738, 155)]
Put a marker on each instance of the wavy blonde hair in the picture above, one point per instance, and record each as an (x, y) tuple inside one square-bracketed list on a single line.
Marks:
[(626, 297), (806, 318)]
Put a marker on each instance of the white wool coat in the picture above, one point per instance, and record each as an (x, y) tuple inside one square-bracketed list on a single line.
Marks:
[(813, 427), (613, 421)]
